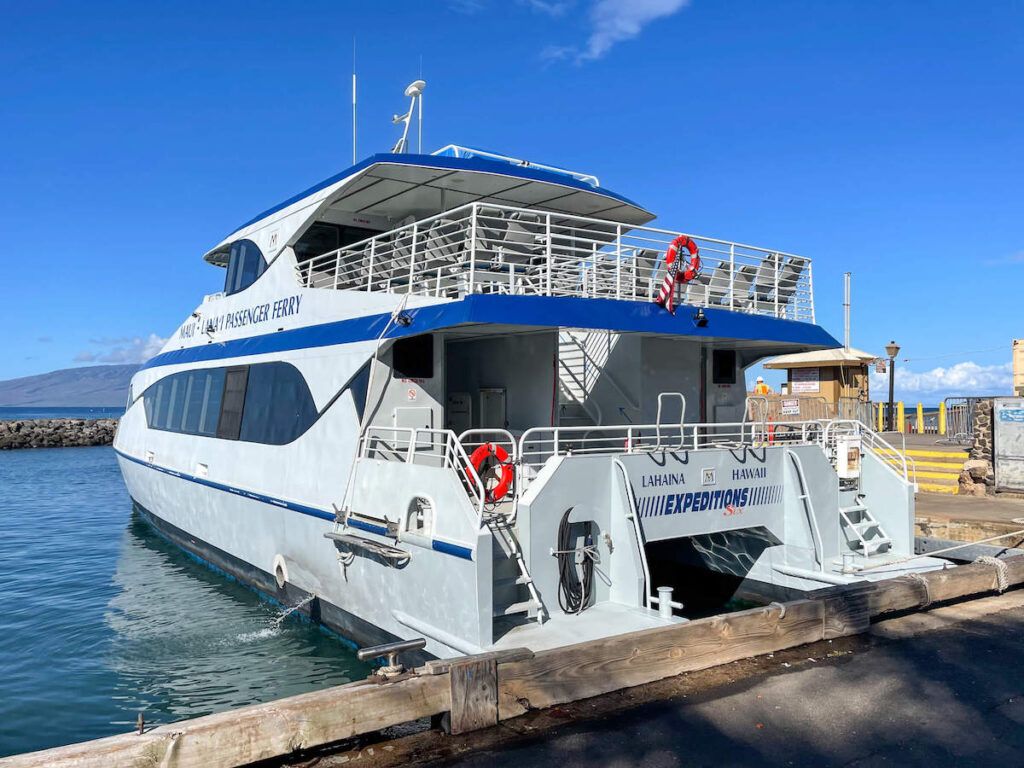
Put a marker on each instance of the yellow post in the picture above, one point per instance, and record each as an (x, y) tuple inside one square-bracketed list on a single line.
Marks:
[(881, 411), (901, 417), (942, 417), (920, 419)]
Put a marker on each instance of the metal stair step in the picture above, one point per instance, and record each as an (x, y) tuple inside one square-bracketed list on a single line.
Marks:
[(524, 607), (853, 508), (866, 525), (874, 545)]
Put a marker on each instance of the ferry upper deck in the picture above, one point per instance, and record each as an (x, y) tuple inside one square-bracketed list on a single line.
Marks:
[(465, 224)]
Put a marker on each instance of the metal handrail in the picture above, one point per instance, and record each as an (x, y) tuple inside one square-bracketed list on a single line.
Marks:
[(805, 497), (471, 249)]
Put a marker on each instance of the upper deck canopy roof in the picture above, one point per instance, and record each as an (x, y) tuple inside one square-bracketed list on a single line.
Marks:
[(389, 187)]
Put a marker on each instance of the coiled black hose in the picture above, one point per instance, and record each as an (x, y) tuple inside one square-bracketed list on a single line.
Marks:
[(573, 594)]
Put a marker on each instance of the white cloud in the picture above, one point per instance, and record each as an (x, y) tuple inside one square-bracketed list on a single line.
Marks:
[(966, 378), (1001, 261), (549, 7), (613, 21), (130, 349)]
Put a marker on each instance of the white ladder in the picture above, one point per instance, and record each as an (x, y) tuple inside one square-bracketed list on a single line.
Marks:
[(499, 527), (867, 532)]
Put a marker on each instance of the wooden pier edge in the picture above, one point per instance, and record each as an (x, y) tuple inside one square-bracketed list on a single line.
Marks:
[(481, 690)]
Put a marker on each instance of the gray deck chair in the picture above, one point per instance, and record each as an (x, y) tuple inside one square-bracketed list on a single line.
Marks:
[(742, 279), (789, 276), (694, 292), (718, 283), (392, 255), (524, 238), (645, 273), (354, 267), (764, 283)]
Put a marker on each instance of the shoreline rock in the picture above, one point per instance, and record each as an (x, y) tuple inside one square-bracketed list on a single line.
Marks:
[(56, 433)]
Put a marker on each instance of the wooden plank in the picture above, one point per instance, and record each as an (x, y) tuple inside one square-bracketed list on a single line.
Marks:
[(260, 732), (474, 694), (592, 668), (848, 610), (442, 666)]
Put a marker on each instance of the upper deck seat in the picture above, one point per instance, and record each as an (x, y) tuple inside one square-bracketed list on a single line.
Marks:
[(695, 292), (765, 281), (646, 263), (718, 283), (742, 279), (789, 276)]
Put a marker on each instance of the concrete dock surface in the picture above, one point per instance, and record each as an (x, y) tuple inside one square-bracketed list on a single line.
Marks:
[(999, 509), (942, 687)]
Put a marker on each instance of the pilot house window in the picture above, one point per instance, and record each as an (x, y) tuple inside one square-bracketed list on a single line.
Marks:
[(245, 264)]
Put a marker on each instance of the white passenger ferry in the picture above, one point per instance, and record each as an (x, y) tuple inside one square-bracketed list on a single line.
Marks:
[(436, 399)]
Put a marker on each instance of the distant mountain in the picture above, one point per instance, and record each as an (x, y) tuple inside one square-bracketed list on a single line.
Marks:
[(94, 386)]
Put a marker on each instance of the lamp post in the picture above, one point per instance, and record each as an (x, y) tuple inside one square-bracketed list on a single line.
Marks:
[(892, 349)]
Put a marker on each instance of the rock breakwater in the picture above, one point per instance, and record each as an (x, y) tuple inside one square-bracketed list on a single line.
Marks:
[(56, 433)]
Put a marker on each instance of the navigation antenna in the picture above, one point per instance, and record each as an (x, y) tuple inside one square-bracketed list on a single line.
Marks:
[(353, 100), (415, 93)]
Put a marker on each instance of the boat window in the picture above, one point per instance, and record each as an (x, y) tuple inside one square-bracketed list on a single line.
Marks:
[(413, 357), (278, 405), (245, 264), (233, 402), (723, 366), (265, 403)]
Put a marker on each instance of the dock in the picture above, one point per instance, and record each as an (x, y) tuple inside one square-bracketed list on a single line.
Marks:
[(475, 693)]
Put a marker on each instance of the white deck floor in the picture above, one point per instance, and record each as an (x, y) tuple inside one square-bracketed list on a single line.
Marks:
[(596, 622)]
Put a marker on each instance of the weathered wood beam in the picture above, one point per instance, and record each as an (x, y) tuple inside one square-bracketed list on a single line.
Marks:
[(248, 734)]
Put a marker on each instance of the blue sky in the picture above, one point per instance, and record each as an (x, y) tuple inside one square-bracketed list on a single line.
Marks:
[(881, 138)]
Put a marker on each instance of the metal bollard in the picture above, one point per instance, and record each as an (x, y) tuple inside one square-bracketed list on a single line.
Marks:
[(665, 602), (391, 650)]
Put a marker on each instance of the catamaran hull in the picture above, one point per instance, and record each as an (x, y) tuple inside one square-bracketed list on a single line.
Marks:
[(248, 538)]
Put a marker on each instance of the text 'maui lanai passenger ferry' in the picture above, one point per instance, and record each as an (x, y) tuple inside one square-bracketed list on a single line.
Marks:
[(437, 399)]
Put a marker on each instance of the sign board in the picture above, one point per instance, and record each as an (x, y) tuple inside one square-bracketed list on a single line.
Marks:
[(790, 407), (879, 365), (805, 381), (1008, 434)]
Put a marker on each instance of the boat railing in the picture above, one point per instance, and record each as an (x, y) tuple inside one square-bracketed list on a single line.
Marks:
[(538, 445), (426, 447), (484, 248)]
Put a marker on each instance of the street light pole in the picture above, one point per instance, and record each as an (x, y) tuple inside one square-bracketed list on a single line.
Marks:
[(892, 349)]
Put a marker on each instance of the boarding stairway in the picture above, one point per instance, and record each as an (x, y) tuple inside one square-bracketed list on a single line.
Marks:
[(864, 534), (582, 359), (513, 592)]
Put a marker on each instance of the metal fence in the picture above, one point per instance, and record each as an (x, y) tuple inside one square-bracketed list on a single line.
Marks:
[(960, 420), (481, 248)]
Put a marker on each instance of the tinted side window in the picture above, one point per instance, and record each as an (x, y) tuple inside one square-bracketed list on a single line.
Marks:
[(245, 264), (413, 357), (233, 402), (278, 405)]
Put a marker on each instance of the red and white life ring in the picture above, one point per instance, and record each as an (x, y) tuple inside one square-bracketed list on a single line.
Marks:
[(484, 453), (693, 269)]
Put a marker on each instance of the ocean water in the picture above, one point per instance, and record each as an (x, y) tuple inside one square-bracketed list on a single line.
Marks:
[(101, 618), (9, 413)]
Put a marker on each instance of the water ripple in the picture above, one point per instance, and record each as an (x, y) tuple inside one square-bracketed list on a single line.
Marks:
[(102, 619)]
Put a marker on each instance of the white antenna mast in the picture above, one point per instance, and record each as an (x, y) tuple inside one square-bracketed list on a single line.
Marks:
[(353, 100), (415, 92), (846, 311)]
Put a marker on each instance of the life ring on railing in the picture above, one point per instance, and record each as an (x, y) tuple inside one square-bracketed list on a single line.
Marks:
[(481, 456), (693, 269)]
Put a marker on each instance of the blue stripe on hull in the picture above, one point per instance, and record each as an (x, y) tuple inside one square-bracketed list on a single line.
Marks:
[(444, 547), (529, 311)]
